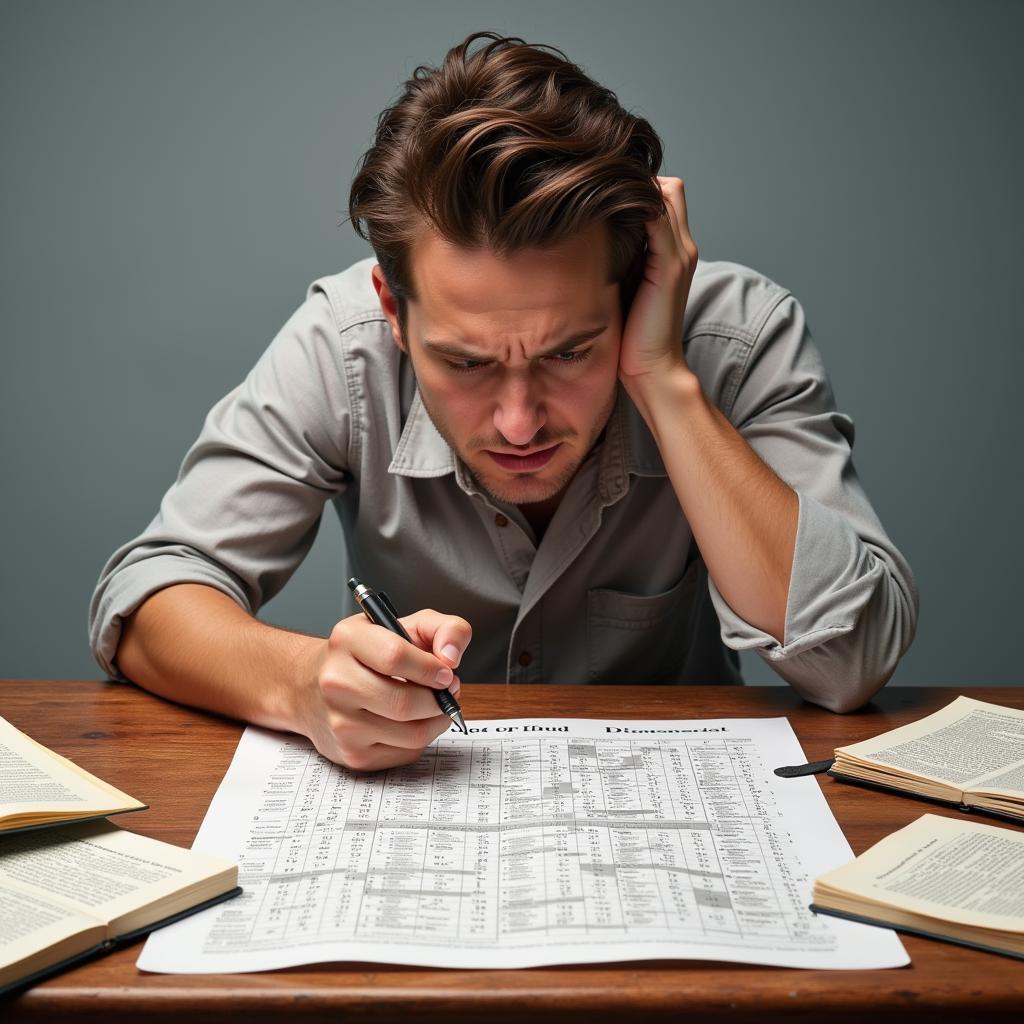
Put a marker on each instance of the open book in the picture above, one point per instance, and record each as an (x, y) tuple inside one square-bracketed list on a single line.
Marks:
[(39, 787), (970, 754), (946, 878), (68, 894)]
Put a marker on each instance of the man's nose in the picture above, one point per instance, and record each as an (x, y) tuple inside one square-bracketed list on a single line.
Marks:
[(519, 413)]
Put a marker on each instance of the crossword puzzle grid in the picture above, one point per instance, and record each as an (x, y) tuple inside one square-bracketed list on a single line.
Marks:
[(523, 841)]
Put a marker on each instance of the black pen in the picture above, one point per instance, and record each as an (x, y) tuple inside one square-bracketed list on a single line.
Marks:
[(378, 609)]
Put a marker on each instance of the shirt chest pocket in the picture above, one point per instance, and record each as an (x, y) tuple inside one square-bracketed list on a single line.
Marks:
[(633, 638)]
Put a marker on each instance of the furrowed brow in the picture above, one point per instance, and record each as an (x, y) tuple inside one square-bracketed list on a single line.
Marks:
[(456, 352), (446, 349)]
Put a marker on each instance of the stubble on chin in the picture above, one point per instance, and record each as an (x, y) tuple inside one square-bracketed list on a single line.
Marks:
[(525, 492)]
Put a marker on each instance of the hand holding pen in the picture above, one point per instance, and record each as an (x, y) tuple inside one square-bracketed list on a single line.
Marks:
[(369, 703), (379, 610)]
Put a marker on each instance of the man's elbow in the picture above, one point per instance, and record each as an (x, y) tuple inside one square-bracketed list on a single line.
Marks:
[(857, 693), (845, 673)]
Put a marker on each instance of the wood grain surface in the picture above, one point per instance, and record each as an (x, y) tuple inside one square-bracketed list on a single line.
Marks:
[(173, 759)]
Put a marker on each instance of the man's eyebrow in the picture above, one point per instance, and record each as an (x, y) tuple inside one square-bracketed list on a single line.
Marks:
[(448, 349)]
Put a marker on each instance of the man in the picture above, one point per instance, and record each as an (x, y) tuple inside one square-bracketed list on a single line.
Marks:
[(535, 413)]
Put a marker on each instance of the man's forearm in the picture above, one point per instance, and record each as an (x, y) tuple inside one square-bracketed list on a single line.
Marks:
[(195, 645), (743, 517)]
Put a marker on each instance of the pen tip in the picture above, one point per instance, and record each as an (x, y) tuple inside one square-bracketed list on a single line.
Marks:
[(457, 719)]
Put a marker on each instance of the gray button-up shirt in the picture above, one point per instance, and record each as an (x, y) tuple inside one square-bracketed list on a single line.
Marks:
[(615, 592)]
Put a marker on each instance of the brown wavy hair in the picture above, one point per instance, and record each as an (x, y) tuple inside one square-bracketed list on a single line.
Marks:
[(508, 147)]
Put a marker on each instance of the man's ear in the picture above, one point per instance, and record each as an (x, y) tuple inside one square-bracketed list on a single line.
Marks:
[(388, 304)]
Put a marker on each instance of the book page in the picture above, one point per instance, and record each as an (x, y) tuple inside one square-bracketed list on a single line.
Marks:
[(527, 842), (1009, 782), (961, 745), (36, 931), (36, 779), (950, 869), (100, 870)]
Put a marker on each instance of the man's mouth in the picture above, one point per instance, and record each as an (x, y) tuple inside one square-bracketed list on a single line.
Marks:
[(528, 463)]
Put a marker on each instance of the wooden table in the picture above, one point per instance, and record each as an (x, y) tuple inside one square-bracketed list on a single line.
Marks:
[(173, 758)]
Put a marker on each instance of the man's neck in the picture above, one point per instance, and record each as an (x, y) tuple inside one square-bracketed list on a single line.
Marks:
[(538, 514)]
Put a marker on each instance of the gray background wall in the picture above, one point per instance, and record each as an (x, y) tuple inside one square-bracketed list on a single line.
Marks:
[(174, 175)]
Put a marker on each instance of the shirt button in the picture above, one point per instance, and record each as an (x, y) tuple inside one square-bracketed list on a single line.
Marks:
[(525, 658), (500, 520)]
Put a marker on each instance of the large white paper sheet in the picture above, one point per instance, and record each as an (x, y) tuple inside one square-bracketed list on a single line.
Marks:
[(526, 843)]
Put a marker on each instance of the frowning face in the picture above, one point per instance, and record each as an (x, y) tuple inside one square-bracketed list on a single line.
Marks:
[(516, 359)]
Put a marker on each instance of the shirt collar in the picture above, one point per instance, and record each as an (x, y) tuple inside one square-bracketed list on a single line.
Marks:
[(421, 451), (628, 449)]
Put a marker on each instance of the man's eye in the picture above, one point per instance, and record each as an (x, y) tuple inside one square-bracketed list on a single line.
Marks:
[(464, 365), (561, 358), (573, 356)]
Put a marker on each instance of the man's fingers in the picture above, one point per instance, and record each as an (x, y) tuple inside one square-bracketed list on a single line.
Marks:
[(362, 689), (379, 757), (447, 636), (406, 735), (675, 192), (388, 654), (673, 218), (377, 703)]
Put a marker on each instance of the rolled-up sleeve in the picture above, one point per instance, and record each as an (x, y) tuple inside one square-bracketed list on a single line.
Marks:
[(247, 502), (853, 603)]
